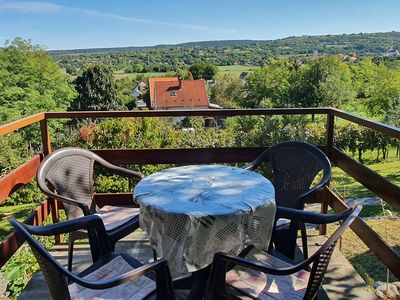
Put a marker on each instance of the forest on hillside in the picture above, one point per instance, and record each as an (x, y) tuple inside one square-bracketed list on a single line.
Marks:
[(164, 58)]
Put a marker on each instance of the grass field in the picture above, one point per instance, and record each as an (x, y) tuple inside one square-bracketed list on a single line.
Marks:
[(364, 261), (349, 188), (233, 70), (120, 75), (19, 212)]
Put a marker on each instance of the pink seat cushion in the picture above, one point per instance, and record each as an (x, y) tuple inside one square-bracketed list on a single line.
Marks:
[(115, 216), (137, 289), (266, 286)]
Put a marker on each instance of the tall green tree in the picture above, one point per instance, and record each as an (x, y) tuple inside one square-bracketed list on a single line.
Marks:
[(228, 91), (384, 92), (203, 70), (96, 90), (30, 82), (324, 81), (268, 86)]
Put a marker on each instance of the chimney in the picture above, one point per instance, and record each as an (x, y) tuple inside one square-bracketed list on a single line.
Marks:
[(179, 82)]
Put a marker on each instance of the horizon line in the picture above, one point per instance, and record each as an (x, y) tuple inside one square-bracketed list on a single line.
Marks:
[(220, 40)]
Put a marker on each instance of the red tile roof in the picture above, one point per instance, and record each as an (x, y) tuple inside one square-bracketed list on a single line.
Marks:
[(152, 82), (191, 93)]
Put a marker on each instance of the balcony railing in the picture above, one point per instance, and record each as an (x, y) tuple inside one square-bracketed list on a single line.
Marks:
[(380, 186)]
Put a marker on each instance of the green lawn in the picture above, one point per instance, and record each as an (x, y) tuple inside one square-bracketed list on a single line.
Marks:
[(364, 261), (19, 212), (119, 75), (235, 70), (349, 188)]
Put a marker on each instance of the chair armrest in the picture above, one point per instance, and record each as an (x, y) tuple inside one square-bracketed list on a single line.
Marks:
[(160, 267), (99, 241), (84, 223), (121, 171), (222, 259), (306, 216)]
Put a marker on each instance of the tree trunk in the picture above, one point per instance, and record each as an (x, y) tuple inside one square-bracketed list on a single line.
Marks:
[(384, 153)]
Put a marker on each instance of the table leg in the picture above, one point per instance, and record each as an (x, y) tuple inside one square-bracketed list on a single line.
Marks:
[(200, 279)]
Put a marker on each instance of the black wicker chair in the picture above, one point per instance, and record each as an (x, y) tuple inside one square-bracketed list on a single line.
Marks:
[(260, 275), (67, 175), (294, 166), (112, 276)]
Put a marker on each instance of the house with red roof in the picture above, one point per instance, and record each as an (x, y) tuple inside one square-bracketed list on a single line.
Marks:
[(139, 89), (170, 93)]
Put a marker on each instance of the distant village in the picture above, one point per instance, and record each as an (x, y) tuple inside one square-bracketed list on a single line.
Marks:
[(174, 93)]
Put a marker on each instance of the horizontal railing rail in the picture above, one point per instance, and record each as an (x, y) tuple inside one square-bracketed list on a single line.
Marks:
[(378, 126), (379, 185), (194, 112), (19, 124)]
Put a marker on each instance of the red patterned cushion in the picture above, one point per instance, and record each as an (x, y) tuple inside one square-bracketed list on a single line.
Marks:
[(267, 286)]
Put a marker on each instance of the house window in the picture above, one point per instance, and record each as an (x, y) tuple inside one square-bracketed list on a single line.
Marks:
[(173, 93)]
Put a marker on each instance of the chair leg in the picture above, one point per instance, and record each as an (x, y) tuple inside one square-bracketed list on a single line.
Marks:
[(113, 246), (154, 255), (304, 240), (70, 251)]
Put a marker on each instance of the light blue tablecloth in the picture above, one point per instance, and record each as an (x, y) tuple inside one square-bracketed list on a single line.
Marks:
[(192, 212)]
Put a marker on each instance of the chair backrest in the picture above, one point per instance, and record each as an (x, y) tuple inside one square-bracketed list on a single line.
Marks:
[(56, 275), (323, 255), (295, 166), (70, 172)]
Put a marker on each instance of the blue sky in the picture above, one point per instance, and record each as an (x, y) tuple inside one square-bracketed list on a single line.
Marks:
[(61, 24)]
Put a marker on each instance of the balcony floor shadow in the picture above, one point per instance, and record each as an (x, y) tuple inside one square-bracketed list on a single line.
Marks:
[(341, 280)]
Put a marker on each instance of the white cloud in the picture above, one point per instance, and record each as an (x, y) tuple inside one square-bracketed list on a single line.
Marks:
[(22, 6), (45, 7)]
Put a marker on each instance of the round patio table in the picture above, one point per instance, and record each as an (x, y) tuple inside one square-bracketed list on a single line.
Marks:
[(192, 212)]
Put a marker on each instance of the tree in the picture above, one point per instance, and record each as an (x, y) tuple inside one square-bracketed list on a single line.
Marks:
[(95, 89), (203, 70), (228, 91), (123, 89), (384, 93), (30, 82), (325, 81), (270, 84)]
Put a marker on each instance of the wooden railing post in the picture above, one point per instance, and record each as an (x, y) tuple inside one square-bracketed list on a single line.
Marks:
[(330, 123), (46, 145), (324, 209), (44, 130)]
